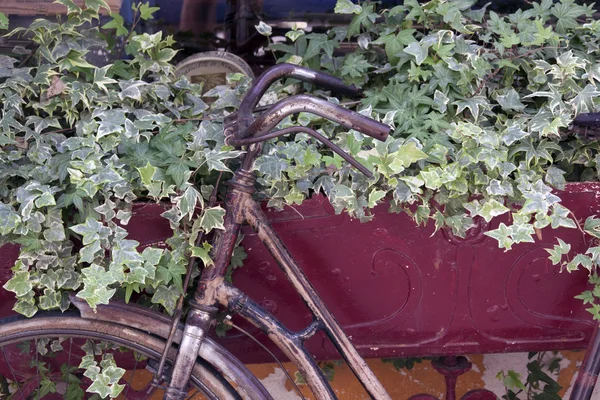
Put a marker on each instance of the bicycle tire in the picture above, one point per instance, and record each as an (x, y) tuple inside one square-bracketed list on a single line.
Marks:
[(207, 377)]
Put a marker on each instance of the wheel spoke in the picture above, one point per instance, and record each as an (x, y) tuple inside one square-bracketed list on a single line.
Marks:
[(37, 369), (12, 371)]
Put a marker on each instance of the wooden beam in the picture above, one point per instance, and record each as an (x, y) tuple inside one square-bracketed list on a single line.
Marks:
[(45, 7)]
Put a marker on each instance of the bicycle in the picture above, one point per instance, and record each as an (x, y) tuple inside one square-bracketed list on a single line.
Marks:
[(182, 353)]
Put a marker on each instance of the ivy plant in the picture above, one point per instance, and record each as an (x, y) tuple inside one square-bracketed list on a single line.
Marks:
[(480, 105), (81, 144)]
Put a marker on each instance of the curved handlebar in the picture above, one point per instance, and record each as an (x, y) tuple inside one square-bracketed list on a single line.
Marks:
[(279, 71), (304, 103)]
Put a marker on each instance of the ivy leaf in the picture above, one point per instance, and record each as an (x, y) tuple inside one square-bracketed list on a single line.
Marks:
[(146, 12), (212, 218), (91, 231), (71, 6), (511, 101), (555, 177), (117, 22), (263, 29), (513, 134), (347, 7), (271, 166), (395, 43), (188, 201), (592, 226), (418, 50), (319, 42), (559, 250), (475, 104), (503, 234), (147, 173), (374, 196), (512, 380), (167, 297), (19, 283), (407, 154), (580, 260), (203, 253), (3, 21), (97, 4), (9, 219)]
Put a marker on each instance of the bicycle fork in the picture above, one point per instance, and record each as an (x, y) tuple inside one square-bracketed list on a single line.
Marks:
[(242, 208)]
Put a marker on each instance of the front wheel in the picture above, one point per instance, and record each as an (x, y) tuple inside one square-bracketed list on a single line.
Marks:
[(61, 356)]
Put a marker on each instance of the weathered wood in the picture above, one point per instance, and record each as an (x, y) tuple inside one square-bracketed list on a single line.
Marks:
[(45, 7)]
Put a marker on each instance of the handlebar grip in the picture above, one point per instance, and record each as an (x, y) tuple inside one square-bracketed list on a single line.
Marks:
[(303, 103)]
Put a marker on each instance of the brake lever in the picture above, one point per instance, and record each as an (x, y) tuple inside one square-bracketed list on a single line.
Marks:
[(232, 141)]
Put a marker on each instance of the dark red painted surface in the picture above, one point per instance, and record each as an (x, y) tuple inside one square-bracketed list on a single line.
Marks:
[(400, 290)]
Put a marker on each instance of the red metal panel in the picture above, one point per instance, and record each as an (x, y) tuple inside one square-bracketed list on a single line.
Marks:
[(400, 290)]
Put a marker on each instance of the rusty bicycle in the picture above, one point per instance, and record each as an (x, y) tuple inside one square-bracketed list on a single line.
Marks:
[(181, 354)]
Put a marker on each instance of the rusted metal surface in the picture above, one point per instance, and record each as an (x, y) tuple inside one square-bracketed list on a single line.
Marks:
[(264, 81), (290, 343), (143, 319), (97, 330), (314, 105)]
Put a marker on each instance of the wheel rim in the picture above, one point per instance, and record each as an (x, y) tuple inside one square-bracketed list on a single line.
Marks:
[(16, 334)]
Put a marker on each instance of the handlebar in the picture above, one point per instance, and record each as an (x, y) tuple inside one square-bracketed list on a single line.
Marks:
[(250, 131), (304, 103), (279, 71)]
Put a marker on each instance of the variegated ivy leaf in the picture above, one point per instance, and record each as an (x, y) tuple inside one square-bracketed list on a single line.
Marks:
[(263, 29), (346, 7), (212, 218)]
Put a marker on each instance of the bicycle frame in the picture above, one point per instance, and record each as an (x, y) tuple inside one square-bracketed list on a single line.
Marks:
[(212, 289), (241, 208)]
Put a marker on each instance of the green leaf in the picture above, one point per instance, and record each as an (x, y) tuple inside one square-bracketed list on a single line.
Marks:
[(212, 218), (9, 219), (19, 283), (512, 380), (146, 12), (167, 297), (317, 43), (503, 234), (511, 101), (270, 165), (97, 4), (395, 43), (558, 251), (3, 21), (347, 7), (203, 253), (374, 196), (580, 260), (592, 226), (147, 173), (406, 155), (263, 29), (71, 6), (418, 50), (188, 202)]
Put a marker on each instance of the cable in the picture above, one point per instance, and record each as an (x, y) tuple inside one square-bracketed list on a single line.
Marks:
[(289, 377)]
